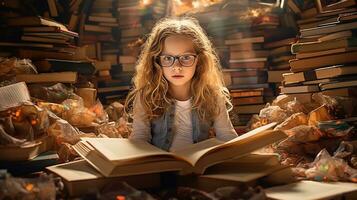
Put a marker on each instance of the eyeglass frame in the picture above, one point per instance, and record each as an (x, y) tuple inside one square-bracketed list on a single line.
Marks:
[(177, 58)]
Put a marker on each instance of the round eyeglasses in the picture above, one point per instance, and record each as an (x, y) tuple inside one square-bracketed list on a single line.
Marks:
[(186, 60)]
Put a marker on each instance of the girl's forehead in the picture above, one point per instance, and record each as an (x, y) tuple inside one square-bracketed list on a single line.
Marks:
[(178, 44)]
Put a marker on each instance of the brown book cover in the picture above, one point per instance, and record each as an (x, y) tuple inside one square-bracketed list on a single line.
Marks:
[(41, 54), (323, 53), (248, 65), (342, 92), (313, 63), (300, 89), (335, 85), (43, 39), (102, 19), (248, 54), (96, 28), (61, 77), (327, 29), (323, 46), (80, 178), (248, 100), (245, 47), (334, 71), (35, 21), (279, 43), (298, 77), (247, 93)]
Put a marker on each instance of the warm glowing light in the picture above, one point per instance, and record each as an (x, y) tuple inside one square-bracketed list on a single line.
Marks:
[(29, 187)]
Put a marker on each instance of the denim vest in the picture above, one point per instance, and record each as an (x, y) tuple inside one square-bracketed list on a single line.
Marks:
[(162, 129)]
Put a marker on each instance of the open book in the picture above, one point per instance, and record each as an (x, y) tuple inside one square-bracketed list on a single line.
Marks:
[(123, 157)]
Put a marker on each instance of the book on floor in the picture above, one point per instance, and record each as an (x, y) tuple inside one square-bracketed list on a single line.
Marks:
[(120, 157), (80, 178)]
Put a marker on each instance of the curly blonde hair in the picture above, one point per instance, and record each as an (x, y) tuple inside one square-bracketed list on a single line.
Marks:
[(150, 85)]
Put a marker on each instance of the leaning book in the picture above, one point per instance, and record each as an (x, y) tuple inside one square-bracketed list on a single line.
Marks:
[(123, 157)]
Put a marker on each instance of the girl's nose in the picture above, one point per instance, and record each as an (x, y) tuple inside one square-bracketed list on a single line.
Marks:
[(177, 67)]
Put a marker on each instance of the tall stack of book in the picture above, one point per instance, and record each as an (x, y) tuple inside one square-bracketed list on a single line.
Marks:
[(326, 53), (135, 19), (239, 40), (51, 47), (279, 45)]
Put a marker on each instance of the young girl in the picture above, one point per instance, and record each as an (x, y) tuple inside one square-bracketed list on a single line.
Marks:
[(179, 94)]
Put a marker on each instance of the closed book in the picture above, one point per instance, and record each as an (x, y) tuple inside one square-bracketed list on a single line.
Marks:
[(80, 178), (43, 39), (245, 47), (43, 54), (249, 80), (139, 157), (279, 43), (54, 65), (321, 61), (248, 65), (248, 54), (248, 60), (327, 29), (326, 52), (244, 72), (300, 89), (35, 21), (96, 28), (48, 29), (247, 93), (61, 77), (342, 92), (334, 71), (248, 100), (298, 77), (248, 86), (26, 44), (342, 84), (338, 35), (323, 46), (102, 19)]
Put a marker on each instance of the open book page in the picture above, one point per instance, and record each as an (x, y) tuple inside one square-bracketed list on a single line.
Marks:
[(194, 152), (212, 151), (75, 171), (125, 151)]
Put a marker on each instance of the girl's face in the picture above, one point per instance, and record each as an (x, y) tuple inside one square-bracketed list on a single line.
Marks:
[(178, 60)]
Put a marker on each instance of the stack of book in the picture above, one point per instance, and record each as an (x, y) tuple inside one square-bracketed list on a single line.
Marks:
[(280, 55), (326, 53), (51, 47), (135, 19)]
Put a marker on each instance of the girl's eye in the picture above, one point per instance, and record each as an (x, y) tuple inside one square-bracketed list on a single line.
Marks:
[(188, 57), (167, 58)]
